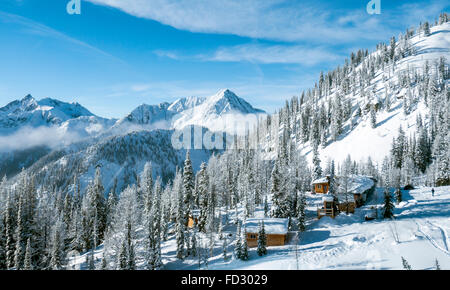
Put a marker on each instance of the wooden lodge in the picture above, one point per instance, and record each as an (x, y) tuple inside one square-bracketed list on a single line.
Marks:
[(321, 185), (193, 219), (329, 208), (357, 189), (276, 231)]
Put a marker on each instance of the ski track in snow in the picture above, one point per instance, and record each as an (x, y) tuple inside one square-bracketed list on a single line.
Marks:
[(444, 234), (432, 240)]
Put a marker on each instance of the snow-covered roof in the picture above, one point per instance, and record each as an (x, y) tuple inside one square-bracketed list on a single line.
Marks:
[(346, 197), (321, 180), (327, 197), (271, 225), (357, 183)]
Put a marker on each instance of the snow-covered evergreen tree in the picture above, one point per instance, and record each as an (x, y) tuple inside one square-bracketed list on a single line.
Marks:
[(262, 240), (388, 209)]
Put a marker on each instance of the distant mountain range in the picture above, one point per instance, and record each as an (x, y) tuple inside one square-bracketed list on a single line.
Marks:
[(73, 118), (59, 140)]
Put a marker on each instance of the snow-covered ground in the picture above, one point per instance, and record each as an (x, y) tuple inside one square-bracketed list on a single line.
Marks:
[(419, 233)]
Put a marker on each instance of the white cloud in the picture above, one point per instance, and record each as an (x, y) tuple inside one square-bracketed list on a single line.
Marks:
[(168, 54), (284, 20), (267, 54), (28, 137), (271, 19)]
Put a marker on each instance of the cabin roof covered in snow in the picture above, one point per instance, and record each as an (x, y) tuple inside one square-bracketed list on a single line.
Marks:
[(321, 180), (328, 198), (356, 183), (271, 225), (346, 197)]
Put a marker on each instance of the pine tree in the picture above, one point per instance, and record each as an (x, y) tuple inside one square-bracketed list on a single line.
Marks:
[(398, 194), (203, 195), (220, 230), (155, 232), (180, 227), (188, 188), (262, 240), (438, 267), (9, 247), (406, 265), (317, 170), (238, 246), (373, 117), (244, 251), (104, 262), (122, 258), (266, 207), (280, 201), (130, 257), (426, 29), (194, 244), (301, 216), (388, 205), (57, 247), (225, 249), (91, 264), (392, 48), (28, 264), (422, 154), (19, 250)]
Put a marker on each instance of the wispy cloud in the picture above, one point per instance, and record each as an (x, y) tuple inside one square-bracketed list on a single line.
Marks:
[(168, 54), (262, 54), (271, 19), (269, 54), (283, 20)]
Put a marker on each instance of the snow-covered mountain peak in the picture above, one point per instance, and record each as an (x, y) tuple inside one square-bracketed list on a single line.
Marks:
[(148, 114), (199, 111), (28, 102), (71, 110), (183, 104), (30, 113), (225, 101)]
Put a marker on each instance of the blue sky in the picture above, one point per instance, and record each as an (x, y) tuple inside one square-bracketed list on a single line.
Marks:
[(119, 54)]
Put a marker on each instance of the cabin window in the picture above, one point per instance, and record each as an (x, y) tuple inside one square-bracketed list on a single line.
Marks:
[(319, 186), (252, 236)]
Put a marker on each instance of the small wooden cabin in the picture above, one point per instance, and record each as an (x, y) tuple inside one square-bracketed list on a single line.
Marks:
[(193, 219), (321, 185), (347, 202), (329, 207), (276, 231)]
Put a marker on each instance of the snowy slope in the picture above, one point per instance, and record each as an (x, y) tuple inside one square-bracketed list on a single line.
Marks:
[(362, 140), (358, 138)]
